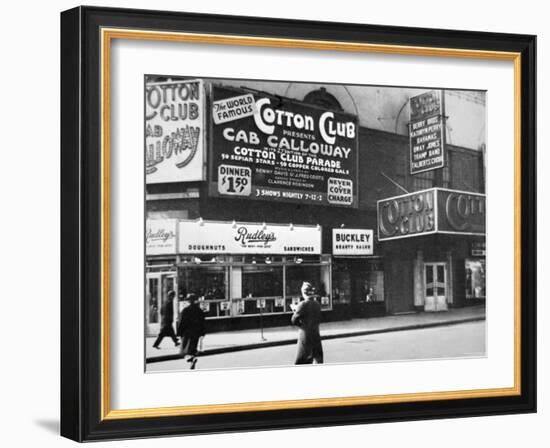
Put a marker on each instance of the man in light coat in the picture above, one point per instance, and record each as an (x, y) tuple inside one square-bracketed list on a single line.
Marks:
[(307, 317)]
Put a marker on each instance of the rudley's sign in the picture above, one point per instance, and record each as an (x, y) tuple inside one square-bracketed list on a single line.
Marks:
[(272, 148), (199, 237), (160, 236), (352, 242), (174, 131), (436, 210)]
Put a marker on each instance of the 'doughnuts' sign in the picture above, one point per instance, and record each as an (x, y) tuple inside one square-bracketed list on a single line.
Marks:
[(272, 148), (436, 210), (174, 131)]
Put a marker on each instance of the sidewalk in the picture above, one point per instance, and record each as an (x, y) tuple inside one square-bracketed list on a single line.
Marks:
[(232, 341)]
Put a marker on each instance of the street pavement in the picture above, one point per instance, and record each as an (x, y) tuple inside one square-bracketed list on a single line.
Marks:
[(230, 341), (452, 341)]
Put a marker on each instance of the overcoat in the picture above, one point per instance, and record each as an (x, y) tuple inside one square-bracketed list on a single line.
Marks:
[(167, 314), (307, 318), (191, 327)]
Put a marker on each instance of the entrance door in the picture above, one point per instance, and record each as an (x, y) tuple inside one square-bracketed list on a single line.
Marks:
[(157, 286), (435, 292)]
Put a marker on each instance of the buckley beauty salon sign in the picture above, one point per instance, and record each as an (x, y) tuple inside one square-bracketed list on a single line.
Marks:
[(199, 237), (352, 242), (174, 131), (436, 210)]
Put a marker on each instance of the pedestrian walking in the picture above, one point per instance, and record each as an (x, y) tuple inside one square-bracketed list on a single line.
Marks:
[(307, 317), (167, 321), (191, 328)]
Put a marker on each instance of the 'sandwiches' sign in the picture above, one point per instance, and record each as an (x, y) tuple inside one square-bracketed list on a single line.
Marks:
[(174, 131), (280, 149)]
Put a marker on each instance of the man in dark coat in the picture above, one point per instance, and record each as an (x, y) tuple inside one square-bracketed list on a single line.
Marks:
[(191, 328), (307, 316), (167, 320)]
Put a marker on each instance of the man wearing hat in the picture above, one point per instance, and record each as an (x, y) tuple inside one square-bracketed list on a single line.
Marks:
[(191, 328), (307, 317)]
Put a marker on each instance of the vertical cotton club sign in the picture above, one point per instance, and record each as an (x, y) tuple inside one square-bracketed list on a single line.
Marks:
[(174, 131)]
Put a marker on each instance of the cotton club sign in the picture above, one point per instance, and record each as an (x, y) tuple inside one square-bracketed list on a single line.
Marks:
[(436, 210), (174, 125), (283, 150)]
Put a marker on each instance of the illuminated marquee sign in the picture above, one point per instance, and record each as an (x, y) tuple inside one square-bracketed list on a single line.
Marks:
[(436, 210)]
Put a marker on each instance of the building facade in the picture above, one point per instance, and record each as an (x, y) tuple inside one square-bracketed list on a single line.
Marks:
[(341, 210)]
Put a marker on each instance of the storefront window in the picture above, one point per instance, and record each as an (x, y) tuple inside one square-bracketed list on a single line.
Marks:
[(262, 282), (153, 299), (341, 284), (357, 282), (317, 275), (231, 286), (475, 279), (209, 283), (374, 287)]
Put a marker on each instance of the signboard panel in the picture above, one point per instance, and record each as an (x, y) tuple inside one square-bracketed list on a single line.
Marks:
[(282, 150), (352, 242), (247, 238), (174, 131), (461, 212), (407, 215), (426, 132), (478, 249), (430, 211), (234, 108), (160, 236)]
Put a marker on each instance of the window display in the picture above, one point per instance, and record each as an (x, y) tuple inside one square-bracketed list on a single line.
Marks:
[(475, 279)]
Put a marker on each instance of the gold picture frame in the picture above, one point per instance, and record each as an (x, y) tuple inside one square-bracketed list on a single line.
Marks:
[(104, 27)]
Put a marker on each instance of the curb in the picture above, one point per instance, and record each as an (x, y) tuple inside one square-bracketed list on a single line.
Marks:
[(239, 348)]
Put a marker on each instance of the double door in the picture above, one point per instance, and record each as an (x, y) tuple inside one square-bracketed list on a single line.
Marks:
[(157, 287), (435, 287)]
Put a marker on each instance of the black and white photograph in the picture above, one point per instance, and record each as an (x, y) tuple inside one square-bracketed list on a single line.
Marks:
[(291, 223)]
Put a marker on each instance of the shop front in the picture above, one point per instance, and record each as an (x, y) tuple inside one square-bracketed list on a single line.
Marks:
[(161, 273), (248, 275), (357, 274), (433, 243)]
